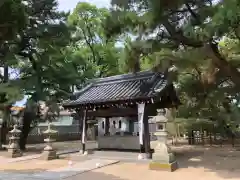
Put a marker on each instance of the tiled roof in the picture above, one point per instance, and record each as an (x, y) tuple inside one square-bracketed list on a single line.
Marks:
[(142, 85)]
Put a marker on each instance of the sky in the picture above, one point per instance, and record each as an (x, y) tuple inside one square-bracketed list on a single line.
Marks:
[(66, 5), (69, 5)]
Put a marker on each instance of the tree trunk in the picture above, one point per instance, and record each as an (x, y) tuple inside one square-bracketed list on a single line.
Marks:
[(26, 128), (229, 70), (6, 117), (4, 132), (6, 110)]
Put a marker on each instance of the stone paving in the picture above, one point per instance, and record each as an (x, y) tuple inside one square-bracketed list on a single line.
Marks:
[(78, 168), (49, 170), (113, 155)]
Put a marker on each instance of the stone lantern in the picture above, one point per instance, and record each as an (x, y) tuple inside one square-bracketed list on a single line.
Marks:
[(49, 152), (162, 158), (13, 148)]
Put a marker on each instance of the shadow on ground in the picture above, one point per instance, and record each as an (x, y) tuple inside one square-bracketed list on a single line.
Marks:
[(95, 175), (41, 174), (224, 161)]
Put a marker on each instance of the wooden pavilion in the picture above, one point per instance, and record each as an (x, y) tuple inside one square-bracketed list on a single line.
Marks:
[(132, 96)]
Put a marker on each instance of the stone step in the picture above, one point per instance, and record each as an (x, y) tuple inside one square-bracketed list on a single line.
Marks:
[(117, 154), (77, 168), (15, 176)]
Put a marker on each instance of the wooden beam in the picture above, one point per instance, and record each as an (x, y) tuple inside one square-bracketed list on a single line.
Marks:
[(113, 112), (110, 104)]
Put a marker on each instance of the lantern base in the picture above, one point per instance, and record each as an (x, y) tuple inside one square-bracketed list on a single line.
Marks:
[(158, 166), (49, 155), (14, 153), (163, 158)]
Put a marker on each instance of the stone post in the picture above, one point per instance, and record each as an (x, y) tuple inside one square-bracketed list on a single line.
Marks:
[(1, 121), (13, 148), (49, 153), (162, 158)]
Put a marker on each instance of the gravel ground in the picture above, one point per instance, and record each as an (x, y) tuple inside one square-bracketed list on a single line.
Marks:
[(32, 166), (196, 162), (131, 171)]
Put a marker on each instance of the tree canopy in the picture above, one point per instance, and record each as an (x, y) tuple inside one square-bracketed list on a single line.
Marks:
[(99, 53), (54, 53), (12, 18), (200, 38), (188, 24)]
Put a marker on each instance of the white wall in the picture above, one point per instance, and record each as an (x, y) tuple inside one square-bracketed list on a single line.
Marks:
[(124, 122), (135, 127), (124, 126), (101, 130)]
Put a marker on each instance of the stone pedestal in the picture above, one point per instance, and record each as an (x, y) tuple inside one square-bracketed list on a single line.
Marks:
[(49, 153), (86, 152), (162, 158), (14, 153), (13, 148)]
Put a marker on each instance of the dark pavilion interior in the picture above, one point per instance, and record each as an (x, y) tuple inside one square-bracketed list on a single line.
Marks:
[(113, 102)]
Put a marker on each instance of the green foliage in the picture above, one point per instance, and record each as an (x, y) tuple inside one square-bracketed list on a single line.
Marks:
[(40, 55), (10, 94), (200, 38), (184, 25), (12, 19), (57, 51), (99, 56), (41, 52)]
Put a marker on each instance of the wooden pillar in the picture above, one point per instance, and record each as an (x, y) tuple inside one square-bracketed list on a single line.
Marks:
[(147, 146), (84, 124), (141, 108)]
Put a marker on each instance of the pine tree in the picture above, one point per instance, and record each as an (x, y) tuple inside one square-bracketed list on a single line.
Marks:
[(179, 24)]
